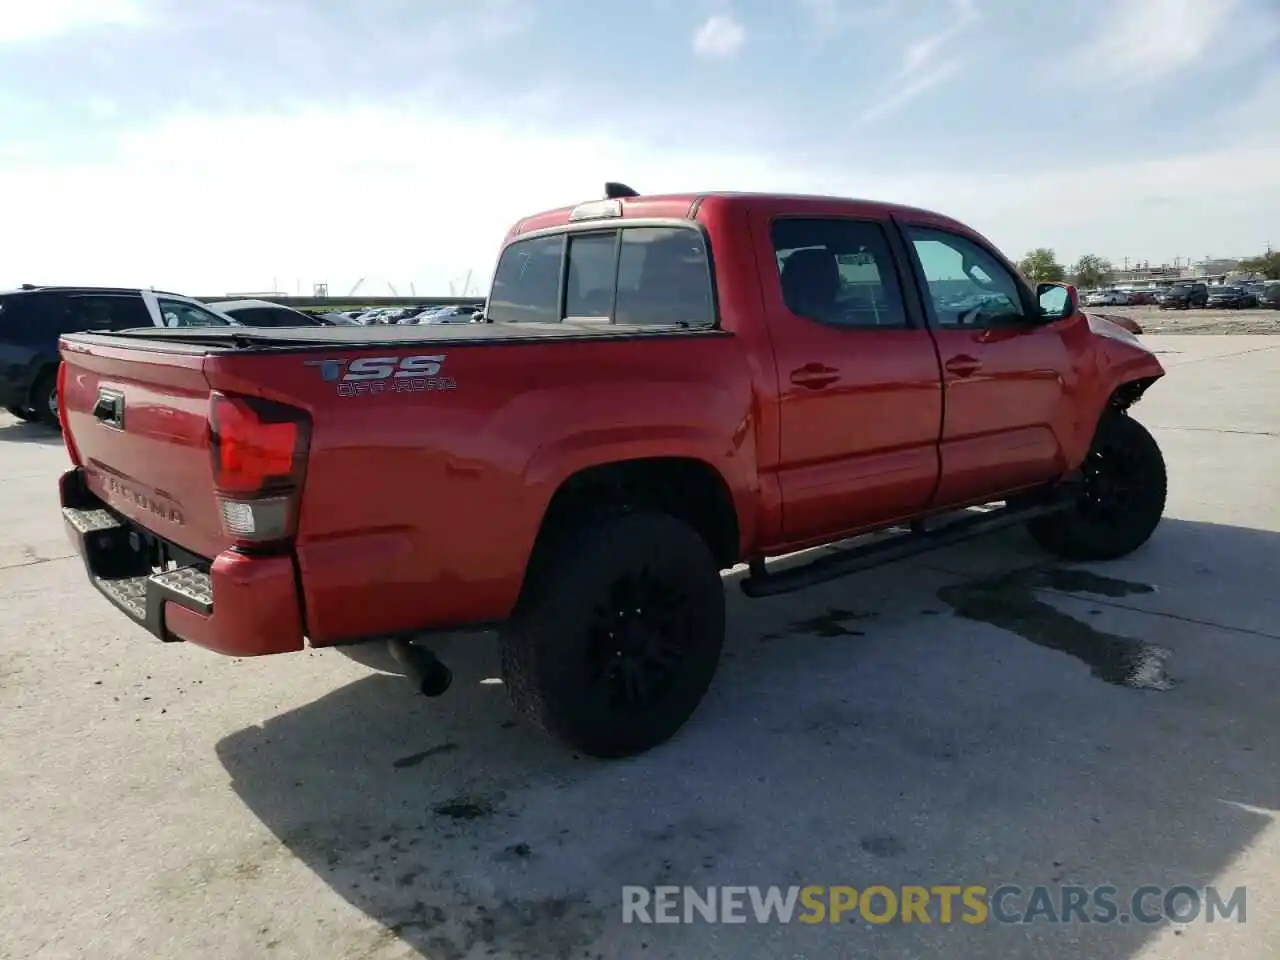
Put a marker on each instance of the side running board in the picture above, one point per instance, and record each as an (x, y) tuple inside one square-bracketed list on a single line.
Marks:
[(921, 538)]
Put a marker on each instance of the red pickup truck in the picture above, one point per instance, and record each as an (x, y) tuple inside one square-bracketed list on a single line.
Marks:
[(659, 388)]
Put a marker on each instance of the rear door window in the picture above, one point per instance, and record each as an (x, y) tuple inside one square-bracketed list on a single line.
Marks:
[(19, 320), (104, 312), (838, 272)]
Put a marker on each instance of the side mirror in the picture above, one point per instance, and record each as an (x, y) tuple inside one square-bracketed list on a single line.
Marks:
[(1057, 301)]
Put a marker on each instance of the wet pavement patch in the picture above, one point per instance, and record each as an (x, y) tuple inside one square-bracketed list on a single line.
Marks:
[(1009, 602), (1086, 581), (831, 624)]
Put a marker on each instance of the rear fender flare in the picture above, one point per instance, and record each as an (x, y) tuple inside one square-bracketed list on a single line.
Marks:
[(554, 463)]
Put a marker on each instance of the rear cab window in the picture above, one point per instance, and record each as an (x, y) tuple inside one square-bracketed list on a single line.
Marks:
[(638, 275)]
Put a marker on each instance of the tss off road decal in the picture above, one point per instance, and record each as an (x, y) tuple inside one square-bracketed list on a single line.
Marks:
[(385, 374)]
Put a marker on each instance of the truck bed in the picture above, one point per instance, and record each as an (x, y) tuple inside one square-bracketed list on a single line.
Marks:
[(415, 444)]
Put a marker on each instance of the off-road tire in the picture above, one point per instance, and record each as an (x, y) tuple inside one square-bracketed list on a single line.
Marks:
[(1123, 498), (23, 414), (575, 594)]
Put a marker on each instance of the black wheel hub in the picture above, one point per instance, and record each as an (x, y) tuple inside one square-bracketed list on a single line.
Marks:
[(638, 637)]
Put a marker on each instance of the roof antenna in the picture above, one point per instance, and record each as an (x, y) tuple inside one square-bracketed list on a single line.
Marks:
[(616, 191)]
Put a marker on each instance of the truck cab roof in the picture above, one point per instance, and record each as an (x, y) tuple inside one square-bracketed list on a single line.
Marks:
[(686, 206)]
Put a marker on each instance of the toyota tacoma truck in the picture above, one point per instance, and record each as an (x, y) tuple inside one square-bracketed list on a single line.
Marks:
[(659, 388)]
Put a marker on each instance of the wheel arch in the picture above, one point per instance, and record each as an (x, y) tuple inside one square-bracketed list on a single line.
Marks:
[(44, 369), (1128, 392), (684, 487)]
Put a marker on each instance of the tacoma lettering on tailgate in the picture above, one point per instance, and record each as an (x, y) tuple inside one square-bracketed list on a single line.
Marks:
[(157, 507)]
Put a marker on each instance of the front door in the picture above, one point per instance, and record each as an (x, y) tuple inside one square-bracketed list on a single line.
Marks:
[(1007, 378), (860, 396)]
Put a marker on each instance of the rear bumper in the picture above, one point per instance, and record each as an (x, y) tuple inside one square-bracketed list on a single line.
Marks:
[(238, 605)]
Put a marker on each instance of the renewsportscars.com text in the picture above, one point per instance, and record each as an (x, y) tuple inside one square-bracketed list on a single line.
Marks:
[(971, 904)]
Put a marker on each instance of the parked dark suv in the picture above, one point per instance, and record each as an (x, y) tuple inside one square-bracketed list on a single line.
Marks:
[(33, 318), (1269, 298), (1183, 296)]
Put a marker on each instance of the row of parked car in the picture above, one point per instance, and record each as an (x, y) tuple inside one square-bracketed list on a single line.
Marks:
[(453, 313), (1184, 296), (32, 319)]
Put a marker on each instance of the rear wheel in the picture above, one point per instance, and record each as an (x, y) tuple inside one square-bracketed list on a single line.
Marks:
[(22, 413), (617, 635), (1124, 489)]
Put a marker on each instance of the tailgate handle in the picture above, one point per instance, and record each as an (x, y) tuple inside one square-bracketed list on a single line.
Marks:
[(110, 408)]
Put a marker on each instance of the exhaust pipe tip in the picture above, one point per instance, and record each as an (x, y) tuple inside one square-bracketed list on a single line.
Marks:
[(429, 676), (435, 680)]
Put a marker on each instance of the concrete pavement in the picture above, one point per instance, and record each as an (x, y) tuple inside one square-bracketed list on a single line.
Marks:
[(161, 801)]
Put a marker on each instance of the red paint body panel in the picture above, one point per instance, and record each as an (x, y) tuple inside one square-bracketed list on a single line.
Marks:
[(420, 510), (255, 608)]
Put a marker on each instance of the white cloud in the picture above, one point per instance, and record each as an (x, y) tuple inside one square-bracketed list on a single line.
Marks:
[(831, 18), (922, 69), (176, 208), (721, 35), (908, 88), (1147, 40), (25, 21)]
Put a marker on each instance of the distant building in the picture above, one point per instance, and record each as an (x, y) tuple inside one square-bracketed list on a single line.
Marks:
[(1143, 276), (1209, 268)]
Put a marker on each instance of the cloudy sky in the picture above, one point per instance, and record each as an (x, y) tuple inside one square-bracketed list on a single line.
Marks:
[(218, 146)]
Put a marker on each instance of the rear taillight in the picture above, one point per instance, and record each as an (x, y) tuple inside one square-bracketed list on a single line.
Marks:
[(67, 442), (259, 456)]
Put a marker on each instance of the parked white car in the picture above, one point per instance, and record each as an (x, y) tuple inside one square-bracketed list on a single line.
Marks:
[(264, 313), (1106, 298)]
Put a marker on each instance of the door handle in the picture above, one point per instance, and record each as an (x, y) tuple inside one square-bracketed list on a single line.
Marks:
[(815, 376), (963, 365)]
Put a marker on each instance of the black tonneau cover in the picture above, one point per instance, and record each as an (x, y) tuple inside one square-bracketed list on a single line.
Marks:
[(385, 335)]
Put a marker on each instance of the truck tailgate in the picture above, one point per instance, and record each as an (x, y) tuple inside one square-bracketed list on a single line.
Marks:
[(137, 416)]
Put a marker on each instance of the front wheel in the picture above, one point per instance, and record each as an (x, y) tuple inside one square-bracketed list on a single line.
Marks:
[(23, 414), (617, 635), (1122, 501)]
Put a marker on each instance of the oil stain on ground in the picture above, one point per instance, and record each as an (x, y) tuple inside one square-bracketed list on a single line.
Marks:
[(465, 808), (1009, 602)]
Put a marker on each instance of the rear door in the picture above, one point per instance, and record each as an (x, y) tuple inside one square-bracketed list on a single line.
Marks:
[(861, 400), (1006, 378)]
